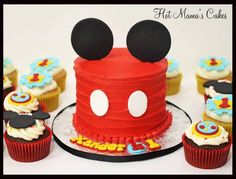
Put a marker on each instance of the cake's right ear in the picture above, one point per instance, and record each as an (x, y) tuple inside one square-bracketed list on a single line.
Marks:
[(92, 39), (149, 41)]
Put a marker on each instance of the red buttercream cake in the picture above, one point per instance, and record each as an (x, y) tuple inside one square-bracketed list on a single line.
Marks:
[(120, 97)]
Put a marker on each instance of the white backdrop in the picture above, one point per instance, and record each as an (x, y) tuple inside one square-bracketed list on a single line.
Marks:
[(32, 31)]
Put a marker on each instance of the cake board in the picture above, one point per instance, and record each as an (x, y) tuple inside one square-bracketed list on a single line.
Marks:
[(170, 140)]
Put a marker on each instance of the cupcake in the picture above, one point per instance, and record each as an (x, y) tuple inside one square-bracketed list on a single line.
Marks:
[(7, 86), (219, 110), (52, 66), (21, 102), (26, 137), (173, 76), (217, 87), (206, 145), (212, 69), (10, 71), (43, 87)]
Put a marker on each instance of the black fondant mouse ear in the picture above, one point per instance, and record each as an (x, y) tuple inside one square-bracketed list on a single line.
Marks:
[(223, 87), (92, 39), (41, 115), (210, 83), (7, 115), (22, 121), (149, 41)]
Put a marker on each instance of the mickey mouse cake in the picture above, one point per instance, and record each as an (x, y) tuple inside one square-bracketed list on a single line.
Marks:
[(121, 91)]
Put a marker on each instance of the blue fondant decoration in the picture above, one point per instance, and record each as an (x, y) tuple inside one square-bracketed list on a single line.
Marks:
[(131, 151), (46, 79), (207, 127), (53, 63), (173, 66), (211, 105), (20, 97), (224, 64)]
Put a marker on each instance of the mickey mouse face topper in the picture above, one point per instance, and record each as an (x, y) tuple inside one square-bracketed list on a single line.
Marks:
[(148, 40)]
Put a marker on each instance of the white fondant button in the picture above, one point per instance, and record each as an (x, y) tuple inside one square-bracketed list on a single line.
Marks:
[(99, 102), (137, 103)]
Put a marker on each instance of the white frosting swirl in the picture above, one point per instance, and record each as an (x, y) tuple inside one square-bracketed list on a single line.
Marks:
[(23, 108), (9, 68), (224, 118), (28, 133), (6, 83), (172, 74), (222, 138), (213, 74), (55, 70), (37, 91)]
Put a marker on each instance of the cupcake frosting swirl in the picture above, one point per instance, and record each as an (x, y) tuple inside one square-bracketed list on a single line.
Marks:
[(37, 83), (206, 133), (220, 108), (8, 66), (28, 133), (21, 102), (49, 64), (173, 68), (6, 82), (213, 68)]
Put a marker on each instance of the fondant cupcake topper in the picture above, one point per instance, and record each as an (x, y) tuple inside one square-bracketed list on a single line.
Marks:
[(23, 121), (173, 65), (7, 61), (36, 79), (148, 40), (48, 64), (212, 63), (219, 86)]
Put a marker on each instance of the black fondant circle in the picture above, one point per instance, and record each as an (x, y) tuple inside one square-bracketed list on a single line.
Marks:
[(7, 115), (220, 87), (109, 158), (149, 41), (92, 39), (22, 121), (41, 115)]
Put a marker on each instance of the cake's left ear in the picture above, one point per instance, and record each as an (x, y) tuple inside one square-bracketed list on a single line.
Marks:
[(92, 39), (149, 41)]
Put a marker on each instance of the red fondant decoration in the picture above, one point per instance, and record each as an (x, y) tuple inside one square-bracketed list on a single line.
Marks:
[(44, 62), (202, 127), (225, 103), (213, 61), (119, 75), (213, 127), (35, 77)]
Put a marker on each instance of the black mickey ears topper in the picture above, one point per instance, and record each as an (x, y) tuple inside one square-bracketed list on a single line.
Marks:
[(92, 39), (149, 41), (22, 121), (220, 87)]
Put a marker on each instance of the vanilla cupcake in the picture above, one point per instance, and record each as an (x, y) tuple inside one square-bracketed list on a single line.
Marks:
[(7, 86), (212, 68), (21, 102), (52, 66), (173, 76), (43, 87), (217, 87), (219, 110), (10, 71)]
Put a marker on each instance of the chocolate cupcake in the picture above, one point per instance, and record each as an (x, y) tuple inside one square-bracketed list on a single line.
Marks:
[(206, 145), (27, 138)]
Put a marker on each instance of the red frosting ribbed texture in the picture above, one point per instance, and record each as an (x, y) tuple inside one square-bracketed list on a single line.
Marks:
[(118, 76)]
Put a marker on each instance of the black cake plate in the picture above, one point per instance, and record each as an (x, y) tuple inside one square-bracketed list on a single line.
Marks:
[(170, 140)]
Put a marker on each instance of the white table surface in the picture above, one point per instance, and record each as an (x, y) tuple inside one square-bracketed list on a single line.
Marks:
[(37, 31)]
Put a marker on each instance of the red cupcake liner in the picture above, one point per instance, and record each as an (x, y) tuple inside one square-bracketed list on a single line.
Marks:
[(29, 152), (206, 158)]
